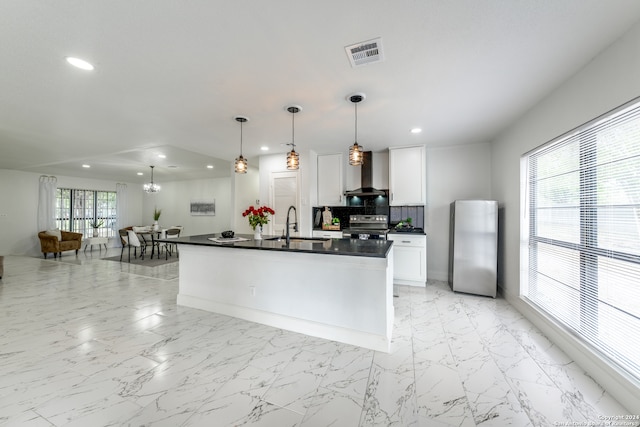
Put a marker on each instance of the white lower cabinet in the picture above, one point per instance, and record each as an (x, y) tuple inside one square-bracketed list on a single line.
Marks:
[(327, 233), (409, 259)]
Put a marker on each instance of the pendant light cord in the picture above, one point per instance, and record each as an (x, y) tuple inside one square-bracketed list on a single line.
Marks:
[(293, 138), (241, 138), (356, 121)]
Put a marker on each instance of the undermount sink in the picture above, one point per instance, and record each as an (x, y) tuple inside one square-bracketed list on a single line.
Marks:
[(301, 239)]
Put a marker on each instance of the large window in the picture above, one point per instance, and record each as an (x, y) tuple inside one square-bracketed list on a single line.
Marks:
[(581, 233), (76, 210)]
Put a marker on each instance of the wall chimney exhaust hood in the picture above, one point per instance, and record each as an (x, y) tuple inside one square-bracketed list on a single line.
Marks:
[(366, 180)]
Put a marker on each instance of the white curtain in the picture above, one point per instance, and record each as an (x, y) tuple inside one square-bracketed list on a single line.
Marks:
[(47, 203), (121, 206)]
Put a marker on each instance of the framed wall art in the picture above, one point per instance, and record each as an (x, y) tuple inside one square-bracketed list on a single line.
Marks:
[(202, 207)]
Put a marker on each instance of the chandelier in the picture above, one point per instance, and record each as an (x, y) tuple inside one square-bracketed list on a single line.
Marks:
[(151, 187)]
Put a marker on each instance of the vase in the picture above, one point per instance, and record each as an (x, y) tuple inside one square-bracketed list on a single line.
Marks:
[(257, 233), (156, 226), (95, 232)]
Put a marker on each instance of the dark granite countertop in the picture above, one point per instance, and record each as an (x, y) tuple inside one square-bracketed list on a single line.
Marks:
[(350, 247)]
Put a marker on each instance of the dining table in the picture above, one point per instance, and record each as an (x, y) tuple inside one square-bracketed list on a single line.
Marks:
[(148, 233)]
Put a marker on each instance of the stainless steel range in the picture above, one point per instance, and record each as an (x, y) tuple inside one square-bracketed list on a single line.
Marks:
[(367, 227)]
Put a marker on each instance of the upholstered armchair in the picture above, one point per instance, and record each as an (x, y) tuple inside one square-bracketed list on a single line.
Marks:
[(68, 242)]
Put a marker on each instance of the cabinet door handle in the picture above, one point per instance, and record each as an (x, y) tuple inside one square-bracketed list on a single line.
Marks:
[(406, 241)]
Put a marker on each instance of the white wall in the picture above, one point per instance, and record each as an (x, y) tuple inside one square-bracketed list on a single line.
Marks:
[(459, 172), (18, 212), (175, 197), (246, 192), (610, 80), (18, 209)]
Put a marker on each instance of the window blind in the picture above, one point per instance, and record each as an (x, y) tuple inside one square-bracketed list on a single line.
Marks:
[(582, 233)]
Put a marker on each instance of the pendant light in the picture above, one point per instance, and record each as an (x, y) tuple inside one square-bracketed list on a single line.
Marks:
[(151, 187), (355, 151), (241, 162), (293, 158)]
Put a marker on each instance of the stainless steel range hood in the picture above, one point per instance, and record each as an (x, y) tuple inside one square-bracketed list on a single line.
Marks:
[(366, 179)]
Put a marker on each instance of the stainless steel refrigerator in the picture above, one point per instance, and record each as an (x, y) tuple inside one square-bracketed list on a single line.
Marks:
[(473, 247)]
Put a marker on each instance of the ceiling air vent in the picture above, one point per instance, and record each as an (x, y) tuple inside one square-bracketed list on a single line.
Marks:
[(364, 53)]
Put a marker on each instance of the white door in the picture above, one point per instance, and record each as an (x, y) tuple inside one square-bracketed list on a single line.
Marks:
[(284, 193)]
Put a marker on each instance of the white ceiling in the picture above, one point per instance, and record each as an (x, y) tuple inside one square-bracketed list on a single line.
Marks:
[(171, 75)]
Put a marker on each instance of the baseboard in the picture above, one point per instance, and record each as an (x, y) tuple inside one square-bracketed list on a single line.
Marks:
[(416, 283)]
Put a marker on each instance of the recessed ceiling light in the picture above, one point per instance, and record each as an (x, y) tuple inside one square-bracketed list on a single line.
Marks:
[(79, 63), (162, 156), (209, 166), (86, 166), (416, 130), (139, 174), (264, 148)]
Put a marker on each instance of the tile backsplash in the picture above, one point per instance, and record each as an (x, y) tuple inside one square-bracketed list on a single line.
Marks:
[(395, 213)]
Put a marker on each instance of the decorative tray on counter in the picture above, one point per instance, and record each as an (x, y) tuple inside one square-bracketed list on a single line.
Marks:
[(335, 227), (227, 239)]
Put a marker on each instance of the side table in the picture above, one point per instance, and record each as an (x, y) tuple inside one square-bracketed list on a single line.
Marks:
[(90, 241)]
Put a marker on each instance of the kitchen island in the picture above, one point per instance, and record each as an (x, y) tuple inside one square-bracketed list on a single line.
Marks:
[(337, 289)]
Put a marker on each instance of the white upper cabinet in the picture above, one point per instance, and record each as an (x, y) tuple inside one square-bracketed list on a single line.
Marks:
[(407, 176), (330, 180)]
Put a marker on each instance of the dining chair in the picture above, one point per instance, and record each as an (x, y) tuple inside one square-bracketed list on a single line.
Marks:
[(172, 233), (147, 240), (129, 239)]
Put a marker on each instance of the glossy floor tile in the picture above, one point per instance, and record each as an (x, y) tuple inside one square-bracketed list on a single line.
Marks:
[(90, 342)]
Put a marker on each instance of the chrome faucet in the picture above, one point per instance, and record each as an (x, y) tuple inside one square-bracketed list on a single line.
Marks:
[(295, 224)]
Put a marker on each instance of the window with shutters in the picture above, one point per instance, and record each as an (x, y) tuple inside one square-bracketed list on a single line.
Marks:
[(581, 233)]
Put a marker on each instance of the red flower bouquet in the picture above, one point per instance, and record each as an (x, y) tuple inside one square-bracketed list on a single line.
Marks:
[(259, 216)]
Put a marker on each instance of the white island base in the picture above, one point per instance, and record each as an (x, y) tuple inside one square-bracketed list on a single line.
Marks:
[(337, 297)]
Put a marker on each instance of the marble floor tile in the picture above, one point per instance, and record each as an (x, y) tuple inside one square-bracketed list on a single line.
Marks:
[(85, 341), (298, 382), (348, 371), (390, 399), (440, 396), (330, 408), (545, 405), (243, 410), (497, 412)]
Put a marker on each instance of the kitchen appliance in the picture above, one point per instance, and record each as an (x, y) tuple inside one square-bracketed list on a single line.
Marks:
[(366, 180), (365, 227), (473, 247)]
